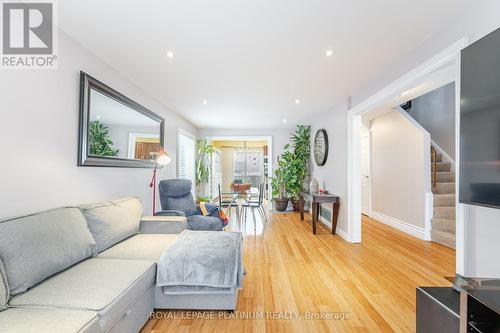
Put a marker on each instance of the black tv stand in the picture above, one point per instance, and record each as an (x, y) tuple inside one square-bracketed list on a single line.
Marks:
[(471, 305), (480, 308)]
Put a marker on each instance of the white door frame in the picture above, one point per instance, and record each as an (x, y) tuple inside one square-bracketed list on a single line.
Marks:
[(369, 137), (450, 54), (267, 138)]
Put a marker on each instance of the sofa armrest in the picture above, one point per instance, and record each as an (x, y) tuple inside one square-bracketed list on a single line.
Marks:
[(170, 212), (162, 224)]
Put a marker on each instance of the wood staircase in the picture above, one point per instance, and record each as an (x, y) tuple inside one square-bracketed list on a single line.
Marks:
[(443, 189)]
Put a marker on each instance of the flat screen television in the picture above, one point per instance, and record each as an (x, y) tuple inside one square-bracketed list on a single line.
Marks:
[(480, 123)]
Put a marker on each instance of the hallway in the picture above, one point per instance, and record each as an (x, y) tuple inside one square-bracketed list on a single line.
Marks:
[(366, 287)]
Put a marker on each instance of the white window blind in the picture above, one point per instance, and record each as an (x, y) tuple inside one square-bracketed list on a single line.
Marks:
[(186, 158)]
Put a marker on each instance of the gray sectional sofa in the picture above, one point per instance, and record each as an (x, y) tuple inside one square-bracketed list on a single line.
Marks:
[(87, 269)]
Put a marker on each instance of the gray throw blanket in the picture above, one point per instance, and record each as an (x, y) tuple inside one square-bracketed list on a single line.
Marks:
[(202, 262)]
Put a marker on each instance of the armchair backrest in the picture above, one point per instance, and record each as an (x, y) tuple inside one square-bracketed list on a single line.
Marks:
[(175, 194)]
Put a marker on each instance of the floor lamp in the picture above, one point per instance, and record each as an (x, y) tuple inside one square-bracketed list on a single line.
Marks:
[(162, 159)]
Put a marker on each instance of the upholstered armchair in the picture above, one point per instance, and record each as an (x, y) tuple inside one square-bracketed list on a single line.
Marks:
[(177, 200)]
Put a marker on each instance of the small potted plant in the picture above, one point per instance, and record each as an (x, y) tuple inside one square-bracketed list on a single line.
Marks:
[(278, 185), (280, 199)]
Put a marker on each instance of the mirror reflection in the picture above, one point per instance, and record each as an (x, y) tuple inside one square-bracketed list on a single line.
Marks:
[(116, 130)]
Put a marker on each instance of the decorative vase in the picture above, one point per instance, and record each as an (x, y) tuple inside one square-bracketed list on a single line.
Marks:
[(314, 186)]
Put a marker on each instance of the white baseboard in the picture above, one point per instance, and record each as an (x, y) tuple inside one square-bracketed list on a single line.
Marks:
[(342, 234), (398, 224), (429, 212), (339, 231)]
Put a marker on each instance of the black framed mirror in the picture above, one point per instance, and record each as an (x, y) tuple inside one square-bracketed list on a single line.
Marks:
[(115, 131)]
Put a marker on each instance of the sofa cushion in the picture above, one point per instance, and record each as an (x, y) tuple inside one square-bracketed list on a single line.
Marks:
[(37, 246), (4, 288), (112, 221), (163, 224), (183, 204), (107, 286), (38, 320), (141, 246), (200, 222)]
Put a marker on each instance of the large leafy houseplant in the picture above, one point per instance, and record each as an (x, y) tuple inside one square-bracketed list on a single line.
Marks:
[(299, 161), (292, 169), (204, 152), (100, 144)]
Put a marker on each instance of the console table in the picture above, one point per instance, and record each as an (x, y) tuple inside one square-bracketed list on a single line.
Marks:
[(316, 200)]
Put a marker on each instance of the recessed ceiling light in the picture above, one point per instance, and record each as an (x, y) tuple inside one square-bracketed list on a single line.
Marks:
[(297, 101), (205, 101), (329, 53), (284, 121), (170, 54)]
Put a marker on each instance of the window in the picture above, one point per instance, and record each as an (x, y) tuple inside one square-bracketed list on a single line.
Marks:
[(248, 165), (186, 152)]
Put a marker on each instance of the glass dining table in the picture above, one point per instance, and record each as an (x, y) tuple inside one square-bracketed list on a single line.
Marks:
[(238, 199)]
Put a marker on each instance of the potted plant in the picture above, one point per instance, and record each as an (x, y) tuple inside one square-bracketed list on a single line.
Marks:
[(100, 143), (299, 163), (278, 185), (292, 169)]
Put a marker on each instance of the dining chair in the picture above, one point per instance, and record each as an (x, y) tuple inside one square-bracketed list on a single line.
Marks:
[(258, 203), (226, 203)]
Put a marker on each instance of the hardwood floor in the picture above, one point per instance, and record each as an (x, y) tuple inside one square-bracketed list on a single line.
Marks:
[(368, 287)]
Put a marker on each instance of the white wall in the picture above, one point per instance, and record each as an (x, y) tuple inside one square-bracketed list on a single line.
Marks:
[(398, 183), (475, 22), (39, 131), (333, 175), (483, 225), (435, 111)]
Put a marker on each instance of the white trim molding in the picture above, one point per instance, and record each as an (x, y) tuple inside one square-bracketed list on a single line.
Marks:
[(132, 138), (339, 231), (400, 225), (429, 214)]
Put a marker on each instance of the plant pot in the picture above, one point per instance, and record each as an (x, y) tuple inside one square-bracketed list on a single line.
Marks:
[(280, 204), (295, 203)]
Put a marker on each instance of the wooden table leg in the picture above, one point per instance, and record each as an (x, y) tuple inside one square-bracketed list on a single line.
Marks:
[(335, 216), (315, 208), (301, 207)]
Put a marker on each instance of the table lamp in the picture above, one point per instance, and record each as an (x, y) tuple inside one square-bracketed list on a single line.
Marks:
[(162, 159)]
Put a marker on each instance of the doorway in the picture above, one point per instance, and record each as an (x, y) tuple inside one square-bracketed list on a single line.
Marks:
[(241, 159), (438, 71)]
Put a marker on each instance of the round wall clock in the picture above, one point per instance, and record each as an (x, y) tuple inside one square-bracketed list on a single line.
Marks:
[(320, 147)]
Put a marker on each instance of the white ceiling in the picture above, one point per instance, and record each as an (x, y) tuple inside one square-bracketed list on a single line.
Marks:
[(252, 59)]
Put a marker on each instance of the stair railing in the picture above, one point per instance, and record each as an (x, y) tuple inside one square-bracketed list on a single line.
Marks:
[(434, 166)]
